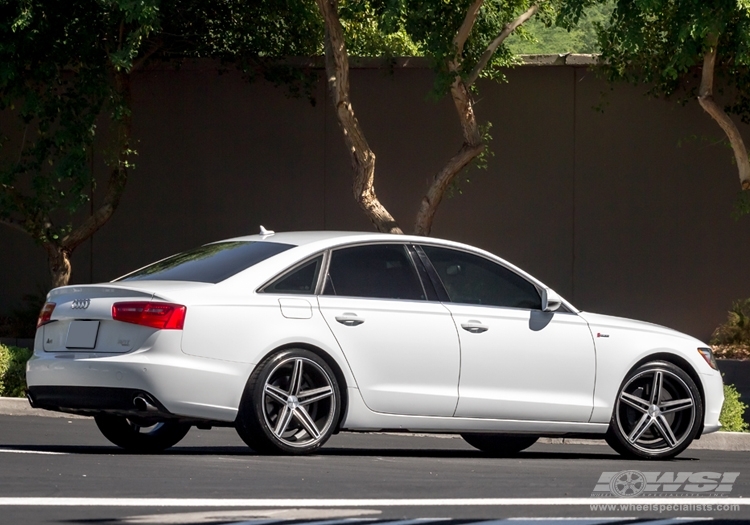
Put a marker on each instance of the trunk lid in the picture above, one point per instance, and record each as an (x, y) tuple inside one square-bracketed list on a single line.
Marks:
[(82, 318)]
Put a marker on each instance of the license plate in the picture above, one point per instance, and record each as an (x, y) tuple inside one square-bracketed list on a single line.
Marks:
[(82, 334)]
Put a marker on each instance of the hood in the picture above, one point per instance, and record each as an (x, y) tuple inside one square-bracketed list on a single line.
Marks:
[(603, 323)]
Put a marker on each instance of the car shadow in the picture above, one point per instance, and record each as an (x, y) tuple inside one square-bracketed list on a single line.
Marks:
[(332, 452)]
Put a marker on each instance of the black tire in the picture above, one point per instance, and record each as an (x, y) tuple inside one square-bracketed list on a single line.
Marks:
[(500, 445), (281, 415), (131, 436), (657, 413)]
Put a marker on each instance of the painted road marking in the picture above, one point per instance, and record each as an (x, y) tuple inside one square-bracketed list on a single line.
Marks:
[(372, 502), (17, 451)]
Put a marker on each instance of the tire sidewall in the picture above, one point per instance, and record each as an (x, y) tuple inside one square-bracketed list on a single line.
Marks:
[(252, 414), (615, 437)]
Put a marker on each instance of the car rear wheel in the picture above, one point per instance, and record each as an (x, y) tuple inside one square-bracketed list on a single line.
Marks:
[(291, 404), (141, 436), (657, 413), (500, 445)]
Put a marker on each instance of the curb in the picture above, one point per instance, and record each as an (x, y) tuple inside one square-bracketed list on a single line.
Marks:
[(19, 406), (734, 441)]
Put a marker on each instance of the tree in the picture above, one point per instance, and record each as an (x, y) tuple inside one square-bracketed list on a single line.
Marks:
[(669, 44), (465, 40), (62, 65)]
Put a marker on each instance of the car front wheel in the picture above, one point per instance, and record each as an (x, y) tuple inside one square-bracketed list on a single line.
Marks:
[(141, 436), (291, 404), (657, 413)]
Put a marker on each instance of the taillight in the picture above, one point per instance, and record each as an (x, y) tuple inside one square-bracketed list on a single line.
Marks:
[(45, 316), (164, 316)]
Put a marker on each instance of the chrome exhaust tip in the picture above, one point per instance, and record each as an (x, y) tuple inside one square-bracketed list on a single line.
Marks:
[(144, 405)]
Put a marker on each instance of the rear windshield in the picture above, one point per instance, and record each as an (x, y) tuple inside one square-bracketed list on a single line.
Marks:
[(211, 263)]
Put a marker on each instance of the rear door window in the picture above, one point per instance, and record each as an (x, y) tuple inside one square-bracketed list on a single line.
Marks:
[(383, 271)]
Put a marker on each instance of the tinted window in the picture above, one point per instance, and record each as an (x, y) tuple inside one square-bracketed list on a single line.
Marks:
[(211, 263), (299, 281), (471, 279), (379, 271)]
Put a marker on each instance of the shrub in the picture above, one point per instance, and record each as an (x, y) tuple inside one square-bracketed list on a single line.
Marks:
[(13, 370), (21, 321), (736, 329), (732, 411)]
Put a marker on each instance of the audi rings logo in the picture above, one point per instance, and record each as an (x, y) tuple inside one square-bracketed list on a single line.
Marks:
[(80, 304)]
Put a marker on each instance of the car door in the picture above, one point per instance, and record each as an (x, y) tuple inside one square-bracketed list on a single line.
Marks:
[(517, 362), (402, 349)]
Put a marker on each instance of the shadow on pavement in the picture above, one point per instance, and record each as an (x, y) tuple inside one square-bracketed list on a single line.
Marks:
[(335, 452)]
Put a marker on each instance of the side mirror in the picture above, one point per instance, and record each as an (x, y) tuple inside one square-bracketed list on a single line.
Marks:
[(550, 300)]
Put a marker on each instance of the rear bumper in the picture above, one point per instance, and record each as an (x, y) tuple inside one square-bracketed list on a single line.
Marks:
[(93, 400), (179, 385)]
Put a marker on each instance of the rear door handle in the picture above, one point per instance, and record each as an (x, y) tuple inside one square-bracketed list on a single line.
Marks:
[(475, 327), (349, 319)]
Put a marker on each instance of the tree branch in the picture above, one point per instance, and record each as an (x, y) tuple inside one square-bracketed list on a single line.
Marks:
[(473, 145), (706, 100), (153, 49), (434, 195), (117, 179), (465, 30), (505, 33), (362, 157), (13, 224)]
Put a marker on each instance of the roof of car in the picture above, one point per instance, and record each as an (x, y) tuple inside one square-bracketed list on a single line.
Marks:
[(299, 238)]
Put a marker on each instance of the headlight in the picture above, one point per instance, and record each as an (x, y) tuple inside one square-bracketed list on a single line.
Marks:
[(708, 355)]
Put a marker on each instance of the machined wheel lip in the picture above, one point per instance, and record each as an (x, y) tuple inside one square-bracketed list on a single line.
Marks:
[(144, 429), (295, 400), (653, 411)]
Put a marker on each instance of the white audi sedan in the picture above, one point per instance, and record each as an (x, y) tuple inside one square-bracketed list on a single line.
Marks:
[(290, 337)]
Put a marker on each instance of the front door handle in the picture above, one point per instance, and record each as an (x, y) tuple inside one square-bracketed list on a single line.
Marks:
[(475, 327), (349, 319)]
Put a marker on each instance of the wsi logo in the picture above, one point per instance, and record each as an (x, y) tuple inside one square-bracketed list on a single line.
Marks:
[(632, 483), (80, 304)]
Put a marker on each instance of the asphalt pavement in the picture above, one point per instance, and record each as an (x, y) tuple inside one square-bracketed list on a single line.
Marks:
[(61, 470)]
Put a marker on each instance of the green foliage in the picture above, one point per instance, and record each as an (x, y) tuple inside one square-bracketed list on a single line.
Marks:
[(732, 411), (57, 61), (741, 204), (661, 43), (13, 370), (432, 26), (736, 329), (371, 30), (540, 35)]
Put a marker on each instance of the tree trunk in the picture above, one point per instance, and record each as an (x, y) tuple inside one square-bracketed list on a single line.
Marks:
[(473, 144), (58, 260), (470, 149), (58, 255), (362, 157), (706, 99)]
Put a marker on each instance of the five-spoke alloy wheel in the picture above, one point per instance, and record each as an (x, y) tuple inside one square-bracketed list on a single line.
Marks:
[(291, 404), (657, 412)]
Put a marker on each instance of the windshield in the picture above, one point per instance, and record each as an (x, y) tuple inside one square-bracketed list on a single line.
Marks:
[(211, 263)]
